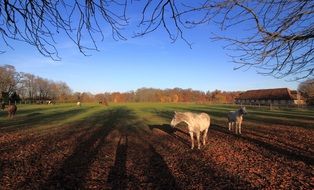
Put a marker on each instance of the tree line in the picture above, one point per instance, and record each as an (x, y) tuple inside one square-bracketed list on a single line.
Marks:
[(19, 86), (169, 95), (27, 88)]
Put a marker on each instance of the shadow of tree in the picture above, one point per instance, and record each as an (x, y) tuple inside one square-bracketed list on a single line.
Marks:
[(172, 132), (36, 119), (195, 168), (73, 170), (275, 149), (159, 174), (163, 163), (117, 177), (164, 127), (70, 174)]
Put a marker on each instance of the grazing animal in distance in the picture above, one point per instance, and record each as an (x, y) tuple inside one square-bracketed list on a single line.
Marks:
[(78, 104), (11, 110), (197, 123), (105, 103), (236, 118)]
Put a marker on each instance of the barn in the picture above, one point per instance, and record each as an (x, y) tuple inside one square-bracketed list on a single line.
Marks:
[(276, 96)]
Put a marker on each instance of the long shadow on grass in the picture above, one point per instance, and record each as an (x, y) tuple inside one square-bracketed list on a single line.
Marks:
[(73, 170), (196, 170), (156, 170), (160, 175), (171, 131), (290, 154), (51, 150), (36, 119), (117, 177)]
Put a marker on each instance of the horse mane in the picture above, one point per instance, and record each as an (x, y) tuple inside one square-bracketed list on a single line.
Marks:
[(182, 116)]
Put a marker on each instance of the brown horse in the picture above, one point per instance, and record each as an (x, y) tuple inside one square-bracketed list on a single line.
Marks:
[(11, 110)]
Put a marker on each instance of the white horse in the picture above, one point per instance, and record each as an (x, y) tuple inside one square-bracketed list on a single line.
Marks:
[(197, 123), (236, 118)]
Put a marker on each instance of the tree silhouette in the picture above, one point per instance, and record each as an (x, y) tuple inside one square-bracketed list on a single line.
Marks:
[(277, 37), (37, 22)]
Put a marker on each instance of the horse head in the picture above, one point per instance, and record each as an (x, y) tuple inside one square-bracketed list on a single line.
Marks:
[(243, 111), (174, 120)]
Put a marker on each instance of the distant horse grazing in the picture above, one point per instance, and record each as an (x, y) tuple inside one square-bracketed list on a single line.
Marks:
[(236, 118), (11, 110), (105, 103), (197, 123), (78, 104)]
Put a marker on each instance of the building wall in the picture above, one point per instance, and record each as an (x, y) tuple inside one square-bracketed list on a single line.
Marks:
[(269, 101)]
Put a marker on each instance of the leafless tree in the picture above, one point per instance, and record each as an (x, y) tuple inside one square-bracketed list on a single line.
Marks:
[(38, 22), (307, 90), (9, 79), (273, 36)]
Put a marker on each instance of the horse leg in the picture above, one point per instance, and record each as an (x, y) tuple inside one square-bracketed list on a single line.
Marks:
[(229, 125), (204, 136), (236, 127), (240, 128), (192, 139), (232, 125), (198, 140)]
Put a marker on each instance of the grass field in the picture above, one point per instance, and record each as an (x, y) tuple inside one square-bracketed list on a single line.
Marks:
[(132, 146)]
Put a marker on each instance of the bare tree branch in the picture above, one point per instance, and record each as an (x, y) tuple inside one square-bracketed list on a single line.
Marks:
[(37, 22), (275, 37)]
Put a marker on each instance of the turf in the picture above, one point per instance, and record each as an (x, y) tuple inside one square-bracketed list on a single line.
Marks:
[(132, 146)]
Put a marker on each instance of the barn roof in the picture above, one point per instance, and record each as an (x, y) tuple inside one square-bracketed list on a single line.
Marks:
[(266, 94)]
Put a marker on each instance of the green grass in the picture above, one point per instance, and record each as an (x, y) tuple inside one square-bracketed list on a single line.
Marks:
[(43, 117)]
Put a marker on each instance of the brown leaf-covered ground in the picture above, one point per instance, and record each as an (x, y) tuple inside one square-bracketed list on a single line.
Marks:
[(117, 149)]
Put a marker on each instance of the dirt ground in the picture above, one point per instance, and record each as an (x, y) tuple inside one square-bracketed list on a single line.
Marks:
[(118, 150)]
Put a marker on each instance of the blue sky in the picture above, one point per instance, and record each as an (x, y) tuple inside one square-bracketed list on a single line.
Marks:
[(150, 61)]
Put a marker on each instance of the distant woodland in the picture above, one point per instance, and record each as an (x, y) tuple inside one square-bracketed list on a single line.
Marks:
[(27, 88)]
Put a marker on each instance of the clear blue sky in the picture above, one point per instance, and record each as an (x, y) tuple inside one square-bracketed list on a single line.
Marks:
[(151, 61)]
